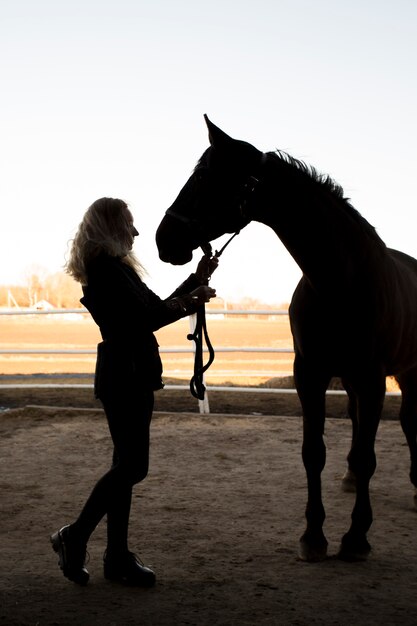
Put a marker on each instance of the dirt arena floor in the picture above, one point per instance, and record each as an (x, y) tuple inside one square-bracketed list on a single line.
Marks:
[(218, 518)]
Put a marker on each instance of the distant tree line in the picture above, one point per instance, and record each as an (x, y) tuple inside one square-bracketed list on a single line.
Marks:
[(63, 292), (58, 289)]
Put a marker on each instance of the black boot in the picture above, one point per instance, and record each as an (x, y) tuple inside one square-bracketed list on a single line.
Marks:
[(72, 556), (128, 569)]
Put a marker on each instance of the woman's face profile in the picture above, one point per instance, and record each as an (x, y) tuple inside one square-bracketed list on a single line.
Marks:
[(132, 232)]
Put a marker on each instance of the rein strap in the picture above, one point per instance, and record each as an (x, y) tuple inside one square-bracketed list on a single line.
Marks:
[(197, 387)]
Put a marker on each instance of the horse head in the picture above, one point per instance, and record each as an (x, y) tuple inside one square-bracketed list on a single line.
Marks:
[(213, 201)]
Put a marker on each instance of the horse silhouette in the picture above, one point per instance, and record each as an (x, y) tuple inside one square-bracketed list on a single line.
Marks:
[(353, 314)]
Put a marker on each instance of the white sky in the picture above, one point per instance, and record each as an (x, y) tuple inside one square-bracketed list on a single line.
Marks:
[(107, 97)]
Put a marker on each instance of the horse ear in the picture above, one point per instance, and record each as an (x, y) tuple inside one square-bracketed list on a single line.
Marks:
[(216, 135)]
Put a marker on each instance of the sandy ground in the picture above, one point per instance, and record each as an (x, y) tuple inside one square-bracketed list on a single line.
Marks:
[(221, 512), (218, 518)]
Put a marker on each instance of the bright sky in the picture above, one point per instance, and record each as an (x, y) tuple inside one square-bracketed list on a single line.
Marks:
[(106, 97)]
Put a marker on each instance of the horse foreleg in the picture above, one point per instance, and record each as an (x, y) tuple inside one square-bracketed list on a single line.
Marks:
[(349, 478), (313, 543), (362, 462)]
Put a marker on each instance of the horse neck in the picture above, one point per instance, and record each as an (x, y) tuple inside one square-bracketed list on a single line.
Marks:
[(325, 241)]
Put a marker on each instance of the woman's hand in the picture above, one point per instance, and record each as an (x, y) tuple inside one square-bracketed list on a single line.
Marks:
[(205, 268), (203, 294)]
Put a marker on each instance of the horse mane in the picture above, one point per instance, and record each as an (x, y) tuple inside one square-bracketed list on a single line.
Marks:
[(333, 188)]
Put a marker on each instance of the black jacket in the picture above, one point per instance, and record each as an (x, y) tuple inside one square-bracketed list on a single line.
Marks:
[(127, 313)]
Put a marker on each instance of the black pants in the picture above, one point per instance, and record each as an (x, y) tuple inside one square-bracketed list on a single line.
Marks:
[(129, 417)]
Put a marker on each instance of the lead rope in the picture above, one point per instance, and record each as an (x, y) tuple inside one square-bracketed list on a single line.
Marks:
[(197, 386), (200, 334)]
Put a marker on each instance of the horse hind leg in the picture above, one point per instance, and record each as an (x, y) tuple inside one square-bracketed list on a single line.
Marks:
[(362, 461), (408, 418), (349, 478)]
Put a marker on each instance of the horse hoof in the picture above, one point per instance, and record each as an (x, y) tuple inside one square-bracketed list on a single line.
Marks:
[(312, 552), (311, 555), (352, 557), (354, 550), (349, 482)]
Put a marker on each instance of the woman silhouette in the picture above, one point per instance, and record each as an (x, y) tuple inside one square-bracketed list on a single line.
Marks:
[(128, 371)]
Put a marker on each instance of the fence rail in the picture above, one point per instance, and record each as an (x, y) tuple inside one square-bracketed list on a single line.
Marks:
[(203, 405), (166, 350), (83, 311), (204, 408)]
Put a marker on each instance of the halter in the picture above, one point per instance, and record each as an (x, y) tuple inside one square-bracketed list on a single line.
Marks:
[(195, 224), (197, 387)]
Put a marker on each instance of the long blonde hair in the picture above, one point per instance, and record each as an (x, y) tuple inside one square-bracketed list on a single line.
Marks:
[(105, 227)]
